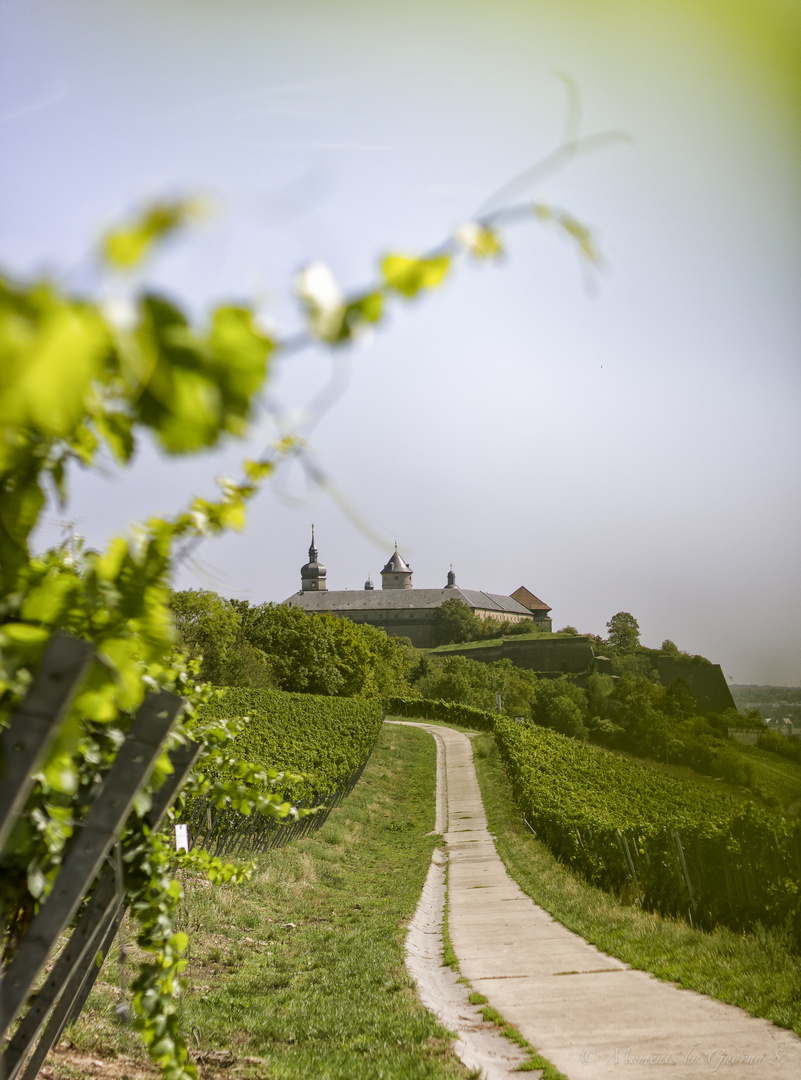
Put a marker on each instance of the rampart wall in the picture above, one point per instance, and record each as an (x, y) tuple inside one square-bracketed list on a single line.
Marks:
[(560, 656), (706, 681), (575, 656)]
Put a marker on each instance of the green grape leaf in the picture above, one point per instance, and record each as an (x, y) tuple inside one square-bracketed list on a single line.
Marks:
[(409, 275), (23, 636), (358, 313), (241, 352), (50, 601), (116, 429), (20, 506), (125, 247), (257, 470), (83, 443), (52, 350), (61, 773)]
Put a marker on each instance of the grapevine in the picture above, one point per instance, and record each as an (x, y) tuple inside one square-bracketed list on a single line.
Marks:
[(80, 380)]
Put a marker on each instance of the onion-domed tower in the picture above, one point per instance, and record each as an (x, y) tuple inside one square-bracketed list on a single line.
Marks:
[(312, 575)]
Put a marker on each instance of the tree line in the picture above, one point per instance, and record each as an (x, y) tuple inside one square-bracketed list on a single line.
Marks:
[(272, 646), (234, 643)]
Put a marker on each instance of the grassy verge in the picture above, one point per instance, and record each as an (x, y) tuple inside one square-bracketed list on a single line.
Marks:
[(492, 643), (776, 782), (755, 971), (775, 777), (301, 969)]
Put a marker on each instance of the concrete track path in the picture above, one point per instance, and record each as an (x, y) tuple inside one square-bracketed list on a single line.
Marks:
[(587, 1013)]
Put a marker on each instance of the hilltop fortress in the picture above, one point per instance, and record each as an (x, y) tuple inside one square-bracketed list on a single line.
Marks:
[(403, 611)]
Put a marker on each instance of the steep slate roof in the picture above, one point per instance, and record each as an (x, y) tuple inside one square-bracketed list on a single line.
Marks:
[(396, 565), (403, 599)]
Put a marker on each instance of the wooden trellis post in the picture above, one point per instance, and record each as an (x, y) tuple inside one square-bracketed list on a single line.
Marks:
[(74, 974), (35, 722), (93, 839)]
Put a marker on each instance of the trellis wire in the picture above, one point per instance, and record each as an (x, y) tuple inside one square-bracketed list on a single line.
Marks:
[(230, 833)]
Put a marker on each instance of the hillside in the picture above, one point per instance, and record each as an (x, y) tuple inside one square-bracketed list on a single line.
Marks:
[(776, 782)]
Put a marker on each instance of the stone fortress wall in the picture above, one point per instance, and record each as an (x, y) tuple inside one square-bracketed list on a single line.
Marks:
[(575, 656)]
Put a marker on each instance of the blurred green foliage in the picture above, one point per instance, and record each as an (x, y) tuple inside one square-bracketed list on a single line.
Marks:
[(81, 379)]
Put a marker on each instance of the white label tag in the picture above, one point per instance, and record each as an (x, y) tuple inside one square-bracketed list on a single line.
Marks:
[(182, 838)]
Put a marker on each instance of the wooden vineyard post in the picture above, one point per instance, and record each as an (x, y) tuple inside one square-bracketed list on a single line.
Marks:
[(75, 972), (93, 839), (35, 722)]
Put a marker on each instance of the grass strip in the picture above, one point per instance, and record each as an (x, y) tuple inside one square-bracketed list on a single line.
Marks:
[(449, 957), (756, 971), (535, 1062), (300, 972)]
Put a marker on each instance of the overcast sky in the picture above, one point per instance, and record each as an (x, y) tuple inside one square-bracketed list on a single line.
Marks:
[(628, 441)]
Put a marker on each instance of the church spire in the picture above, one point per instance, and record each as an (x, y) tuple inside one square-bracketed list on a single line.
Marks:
[(312, 575)]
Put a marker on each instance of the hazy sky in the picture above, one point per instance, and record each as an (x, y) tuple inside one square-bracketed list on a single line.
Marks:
[(631, 442)]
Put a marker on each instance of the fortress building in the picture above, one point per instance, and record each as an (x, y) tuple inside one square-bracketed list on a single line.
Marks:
[(403, 611)]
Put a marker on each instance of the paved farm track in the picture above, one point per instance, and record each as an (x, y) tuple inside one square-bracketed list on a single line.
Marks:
[(591, 1015)]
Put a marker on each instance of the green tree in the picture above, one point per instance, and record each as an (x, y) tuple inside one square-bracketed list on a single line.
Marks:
[(679, 700), (624, 632), (517, 687), (208, 628), (471, 682), (637, 709), (636, 662), (309, 653), (356, 661), (454, 622), (598, 688), (459, 679), (247, 666), (561, 705), (300, 648), (392, 662)]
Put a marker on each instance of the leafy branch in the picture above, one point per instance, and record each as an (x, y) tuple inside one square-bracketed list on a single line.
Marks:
[(80, 378)]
